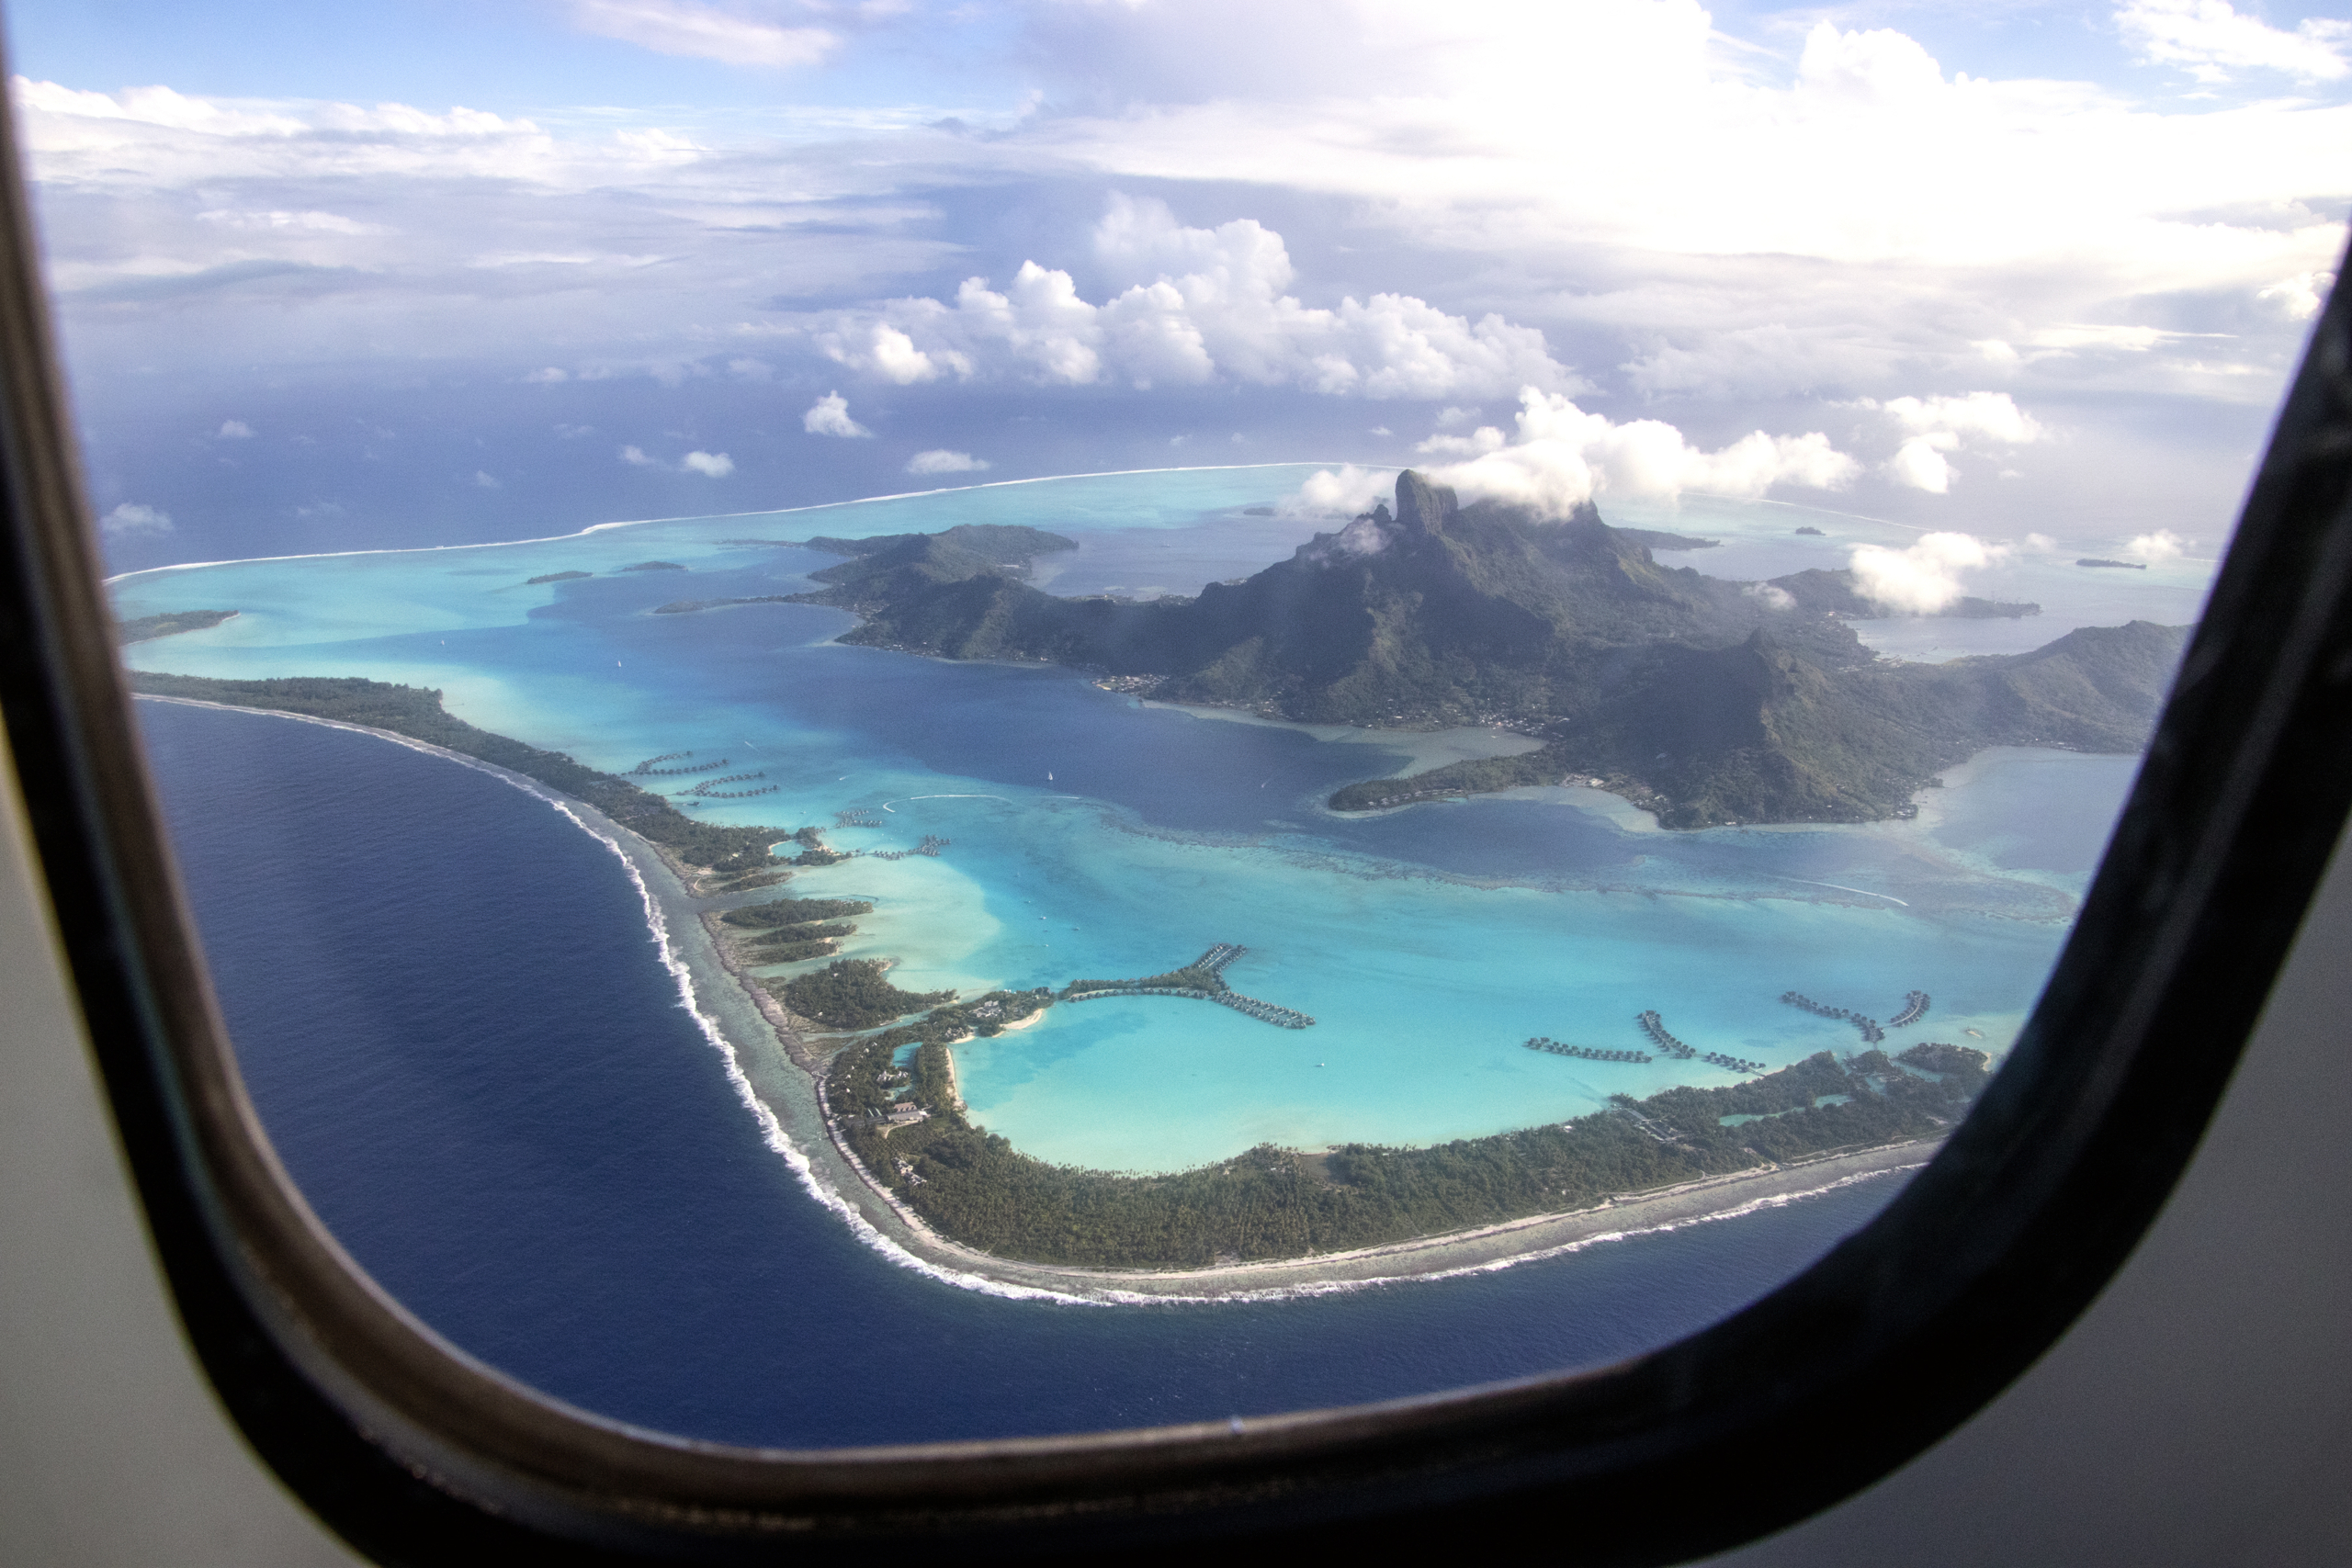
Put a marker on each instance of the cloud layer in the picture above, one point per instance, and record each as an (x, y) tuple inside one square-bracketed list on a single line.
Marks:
[(1560, 457), (1212, 304)]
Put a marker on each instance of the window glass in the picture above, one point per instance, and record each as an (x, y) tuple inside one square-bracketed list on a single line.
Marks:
[(895, 722)]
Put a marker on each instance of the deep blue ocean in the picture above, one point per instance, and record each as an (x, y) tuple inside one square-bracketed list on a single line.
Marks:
[(458, 1032)]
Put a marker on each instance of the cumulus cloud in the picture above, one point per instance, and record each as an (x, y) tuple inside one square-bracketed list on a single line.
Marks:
[(1216, 308), (487, 481), (681, 27), (828, 415), (2302, 295), (2164, 545), (1343, 493), (235, 429), (1772, 598), (1925, 577), (635, 456), (715, 464), (1486, 438), (1936, 425), (940, 460), (134, 519), (1561, 457), (2211, 39)]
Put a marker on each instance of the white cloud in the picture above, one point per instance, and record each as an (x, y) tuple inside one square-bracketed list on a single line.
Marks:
[(1925, 577), (2164, 545), (828, 415), (2041, 544), (2302, 295), (1919, 464), (940, 460), (135, 519), (681, 27), (635, 457), (487, 481), (548, 376), (1216, 308), (1486, 438), (1993, 415), (280, 221), (1940, 424), (1349, 491), (235, 429), (1561, 457), (1772, 598), (2211, 37), (715, 465)]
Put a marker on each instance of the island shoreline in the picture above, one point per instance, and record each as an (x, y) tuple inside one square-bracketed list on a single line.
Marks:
[(781, 1081)]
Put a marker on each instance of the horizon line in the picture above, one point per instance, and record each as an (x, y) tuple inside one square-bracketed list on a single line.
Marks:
[(723, 516)]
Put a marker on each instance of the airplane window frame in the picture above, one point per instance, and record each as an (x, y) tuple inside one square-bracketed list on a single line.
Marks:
[(416, 1452)]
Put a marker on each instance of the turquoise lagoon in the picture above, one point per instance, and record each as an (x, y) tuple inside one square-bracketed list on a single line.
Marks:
[(1093, 836)]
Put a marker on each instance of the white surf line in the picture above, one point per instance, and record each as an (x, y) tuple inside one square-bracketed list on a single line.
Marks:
[(771, 1126), (906, 799), (715, 516), (1841, 888)]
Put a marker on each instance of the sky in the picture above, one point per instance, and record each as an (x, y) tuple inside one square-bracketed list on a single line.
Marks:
[(2029, 276)]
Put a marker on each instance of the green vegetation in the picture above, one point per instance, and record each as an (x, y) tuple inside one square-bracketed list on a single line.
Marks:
[(417, 713), (796, 911), (857, 1081), (1190, 977), (556, 577), (653, 565), (1476, 777), (820, 931), (792, 952), (688, 606), (1658, 539), (1706, 701), (1272, 1203), (852, 993), (147, 628)]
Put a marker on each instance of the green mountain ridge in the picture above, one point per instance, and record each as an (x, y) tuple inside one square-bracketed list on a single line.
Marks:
[(1705, 700)]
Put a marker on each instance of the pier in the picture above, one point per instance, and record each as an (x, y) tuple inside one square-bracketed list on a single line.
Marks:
[(1654, 1027), (1872, 1033), (1585, 1053), (709, 789), (1199, 981), (647, 771), (859, 818), (931, 844), (1914, 1008)]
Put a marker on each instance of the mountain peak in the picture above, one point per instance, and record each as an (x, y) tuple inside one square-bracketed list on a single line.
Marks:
[(1422, 507)]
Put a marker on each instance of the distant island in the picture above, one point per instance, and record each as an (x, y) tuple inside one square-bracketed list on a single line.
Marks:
[(2124, 565), (688, 606), (1705, 701), (556, 577), (1815, 532), (147, 628), (1656, 539), (654, 566)]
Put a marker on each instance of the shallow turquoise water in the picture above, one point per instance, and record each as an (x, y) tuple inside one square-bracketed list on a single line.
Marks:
[(1092, 837)]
